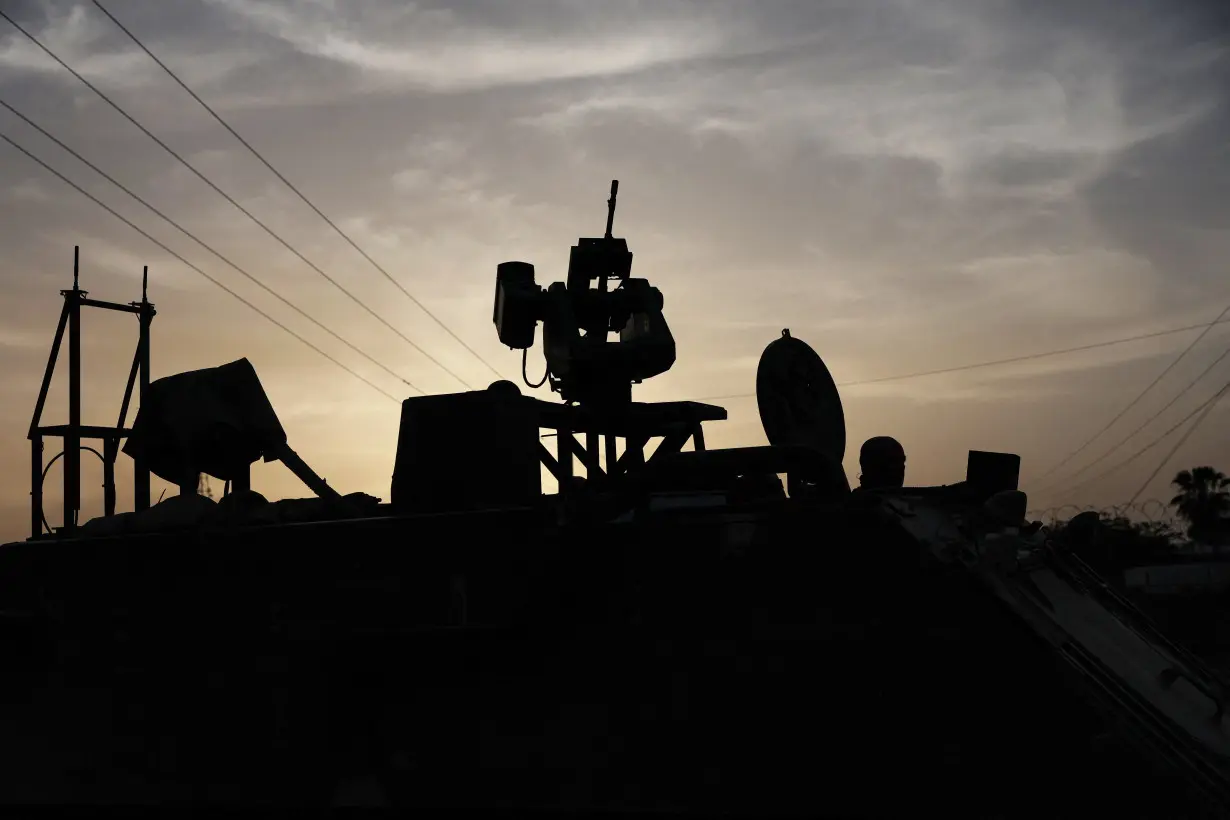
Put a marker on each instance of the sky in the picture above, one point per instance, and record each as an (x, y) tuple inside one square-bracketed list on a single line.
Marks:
[(906, 186)]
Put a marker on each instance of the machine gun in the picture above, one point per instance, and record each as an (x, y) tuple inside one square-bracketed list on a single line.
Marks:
[(582, 365)]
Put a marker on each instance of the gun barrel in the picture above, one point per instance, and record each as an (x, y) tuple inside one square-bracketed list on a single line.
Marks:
[(610, 207)]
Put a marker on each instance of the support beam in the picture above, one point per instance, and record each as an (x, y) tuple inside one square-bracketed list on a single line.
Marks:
[(590, 459), (304, 473), (50, 371), (637, 424), (634, 455), (116, 306), (133, 372), (587, 456), (112, 451), (671, 443), (563, 457), (612, 454), (552, 465), (111, 448), (140, 468), (36, 485), (72, 437), (84, 431)]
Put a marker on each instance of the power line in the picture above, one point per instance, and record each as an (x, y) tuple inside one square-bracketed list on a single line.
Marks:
[(1207, 403), (293, 188), (1133, 402), (996, 362), (1181, 441), (1153, 417), (231, 199), (195, 239), (130, 224)]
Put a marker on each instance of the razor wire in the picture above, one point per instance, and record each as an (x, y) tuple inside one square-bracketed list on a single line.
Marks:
[(1150, 511)]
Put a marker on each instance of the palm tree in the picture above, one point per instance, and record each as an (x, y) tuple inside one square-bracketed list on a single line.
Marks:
[(1203, 501)]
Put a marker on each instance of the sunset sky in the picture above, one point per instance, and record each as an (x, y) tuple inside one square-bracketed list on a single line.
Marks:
[(906, 185)]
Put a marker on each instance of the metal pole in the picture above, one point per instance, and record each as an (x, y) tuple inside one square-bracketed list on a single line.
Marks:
[(72, 440), (141, 479), (563, 455), (36, 485), (110, 448), (612, 457), (591, 448)]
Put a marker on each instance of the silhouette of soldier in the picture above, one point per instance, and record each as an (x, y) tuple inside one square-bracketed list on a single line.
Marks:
[(882, 460)]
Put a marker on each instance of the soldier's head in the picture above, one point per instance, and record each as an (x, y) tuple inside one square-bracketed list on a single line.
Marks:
[(882, 460)]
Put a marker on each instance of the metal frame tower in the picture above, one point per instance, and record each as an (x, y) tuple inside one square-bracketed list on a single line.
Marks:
[(74, 432)]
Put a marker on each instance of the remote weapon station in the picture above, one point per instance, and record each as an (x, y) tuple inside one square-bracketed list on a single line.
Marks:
[(675, 631), (577, 319)]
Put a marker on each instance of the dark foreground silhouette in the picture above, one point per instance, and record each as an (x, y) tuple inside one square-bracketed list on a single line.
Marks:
[(677, 631)]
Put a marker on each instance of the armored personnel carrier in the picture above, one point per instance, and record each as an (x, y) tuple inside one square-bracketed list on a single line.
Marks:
[(677, 630)]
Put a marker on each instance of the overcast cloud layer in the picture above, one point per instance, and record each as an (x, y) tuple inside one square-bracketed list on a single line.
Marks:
[(905, 185)]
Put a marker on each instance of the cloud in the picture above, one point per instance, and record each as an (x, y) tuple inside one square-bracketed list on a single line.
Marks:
[(878, 100), (905, 185), (1031, 174), (27, 190), (11, 337), (1093, 284), (1168, 199), (85, 39), (438, 50), (69, 32)]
